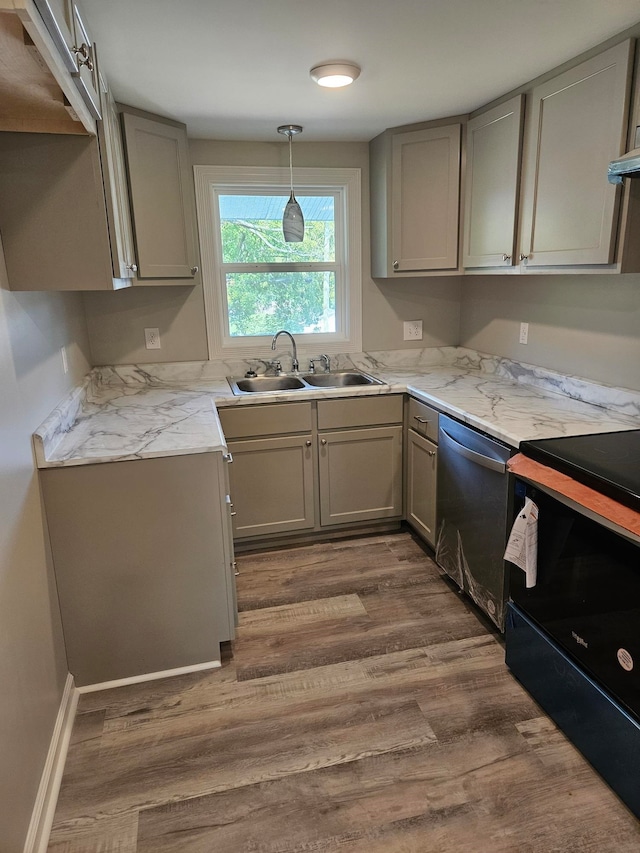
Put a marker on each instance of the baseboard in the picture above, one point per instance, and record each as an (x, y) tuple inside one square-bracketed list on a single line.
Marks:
[(45, 805), (149, 676)]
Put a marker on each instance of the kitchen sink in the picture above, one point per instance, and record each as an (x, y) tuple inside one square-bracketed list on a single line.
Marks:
[(339, 379), (259, 384), (307, 381)]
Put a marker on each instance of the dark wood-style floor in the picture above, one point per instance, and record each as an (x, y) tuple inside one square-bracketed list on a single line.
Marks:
[(364, 708)]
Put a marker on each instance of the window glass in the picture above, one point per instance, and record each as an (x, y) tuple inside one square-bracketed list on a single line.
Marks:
[(302, 302), (251, 229)]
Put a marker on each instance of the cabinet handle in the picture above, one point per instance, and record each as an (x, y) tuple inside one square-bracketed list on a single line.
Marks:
[(83, 54), (194, 270), (421, 420), (524, 257), (506, 257), (132, 267), (431, 452), (234, 566), (396, 264), (232, 511), (308, 443), (323, 441), (228, 457)]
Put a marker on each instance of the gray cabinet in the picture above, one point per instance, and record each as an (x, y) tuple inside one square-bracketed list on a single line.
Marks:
[(54, 213), (44, 87), (422, 472), (162, 198), (415, 199), (306, 466), (272, 482), (421, 469), (272, 476), (577, 124), (115, 183), (494, 145), (142, 563), (360, 474)]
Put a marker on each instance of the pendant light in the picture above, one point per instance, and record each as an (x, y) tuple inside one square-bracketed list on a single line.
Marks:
[(292, 219)]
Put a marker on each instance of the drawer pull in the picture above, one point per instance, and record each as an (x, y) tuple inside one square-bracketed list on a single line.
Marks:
[(421, 420)]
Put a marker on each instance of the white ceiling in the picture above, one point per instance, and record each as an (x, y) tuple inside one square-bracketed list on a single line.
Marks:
[(236, 69)]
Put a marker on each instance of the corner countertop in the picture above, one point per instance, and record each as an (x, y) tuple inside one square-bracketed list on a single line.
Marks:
[(144, 411)]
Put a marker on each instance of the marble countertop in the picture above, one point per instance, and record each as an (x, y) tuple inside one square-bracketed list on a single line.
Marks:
[(144, 411)]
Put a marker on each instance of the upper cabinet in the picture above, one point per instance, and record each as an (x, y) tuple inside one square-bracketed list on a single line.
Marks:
[(415, 200), (494, 144), (577, 124), (53, 213), (162, 198), (115, 187), (48, 76)]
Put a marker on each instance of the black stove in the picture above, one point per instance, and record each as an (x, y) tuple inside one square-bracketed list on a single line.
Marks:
[(608, 462)]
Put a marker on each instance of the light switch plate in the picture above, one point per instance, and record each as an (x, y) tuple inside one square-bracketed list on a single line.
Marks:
[(524, 333), (413, 330)]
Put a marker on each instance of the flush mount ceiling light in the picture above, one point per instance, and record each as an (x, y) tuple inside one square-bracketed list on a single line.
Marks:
[(292, 218), (335, 74)]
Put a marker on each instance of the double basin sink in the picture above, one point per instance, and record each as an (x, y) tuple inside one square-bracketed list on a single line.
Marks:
[(300, 381)]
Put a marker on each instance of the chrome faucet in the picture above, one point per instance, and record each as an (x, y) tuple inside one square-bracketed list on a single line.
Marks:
[(295, 367), (324, 358)]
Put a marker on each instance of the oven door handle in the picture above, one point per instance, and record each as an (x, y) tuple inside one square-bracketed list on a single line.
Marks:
[(474, 456)]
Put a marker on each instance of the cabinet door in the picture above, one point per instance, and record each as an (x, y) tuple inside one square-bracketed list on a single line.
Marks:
[(115, 187), (360, 475), (422, 462), (425, 199), (272, 485), (491, 189), (229, 615), (162, 197), (578, 124), (86, 79), (67, 29)]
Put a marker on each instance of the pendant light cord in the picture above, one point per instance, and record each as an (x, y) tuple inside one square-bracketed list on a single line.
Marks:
[(290, 166)]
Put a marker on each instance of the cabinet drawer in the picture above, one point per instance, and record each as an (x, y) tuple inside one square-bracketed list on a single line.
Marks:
[(278, 419), (363, 411), (423, 419)]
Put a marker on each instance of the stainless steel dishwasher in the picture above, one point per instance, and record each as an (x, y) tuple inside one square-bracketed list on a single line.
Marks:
[(473, 500)]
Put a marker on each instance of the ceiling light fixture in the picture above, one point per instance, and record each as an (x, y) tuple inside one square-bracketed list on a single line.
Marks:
[(292, 218), (335, 74)]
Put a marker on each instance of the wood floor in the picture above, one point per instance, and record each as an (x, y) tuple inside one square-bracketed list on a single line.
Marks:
[(363, 708)]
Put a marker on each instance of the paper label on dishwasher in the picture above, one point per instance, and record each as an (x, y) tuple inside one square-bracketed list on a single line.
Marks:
[(522, 547)]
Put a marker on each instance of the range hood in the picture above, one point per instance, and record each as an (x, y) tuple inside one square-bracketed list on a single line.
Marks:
[(627, 166)]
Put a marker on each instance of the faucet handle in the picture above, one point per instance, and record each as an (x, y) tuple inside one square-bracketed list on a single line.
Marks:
[(276, 366), (326, 361)]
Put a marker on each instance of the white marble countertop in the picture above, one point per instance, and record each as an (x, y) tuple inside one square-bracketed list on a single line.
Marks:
[(143, 411)]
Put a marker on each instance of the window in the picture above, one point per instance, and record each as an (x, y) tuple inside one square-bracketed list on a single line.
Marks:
[(255, 283)]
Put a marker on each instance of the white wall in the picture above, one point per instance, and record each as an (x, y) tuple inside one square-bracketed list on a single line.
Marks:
[(33, 667), (588, 325), (116, 321)]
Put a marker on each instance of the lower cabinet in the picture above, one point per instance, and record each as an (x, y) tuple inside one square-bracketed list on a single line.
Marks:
[(422, 466), (143, 560), (360, 473), (310, 466), (272, 485), (421, 470)]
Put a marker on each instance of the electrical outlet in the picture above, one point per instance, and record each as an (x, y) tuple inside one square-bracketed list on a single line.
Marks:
[(413, 330), (63, 356), (524, 333), (152, 338)]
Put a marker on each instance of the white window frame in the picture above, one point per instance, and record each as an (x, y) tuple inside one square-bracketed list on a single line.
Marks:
[(210, 181)]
